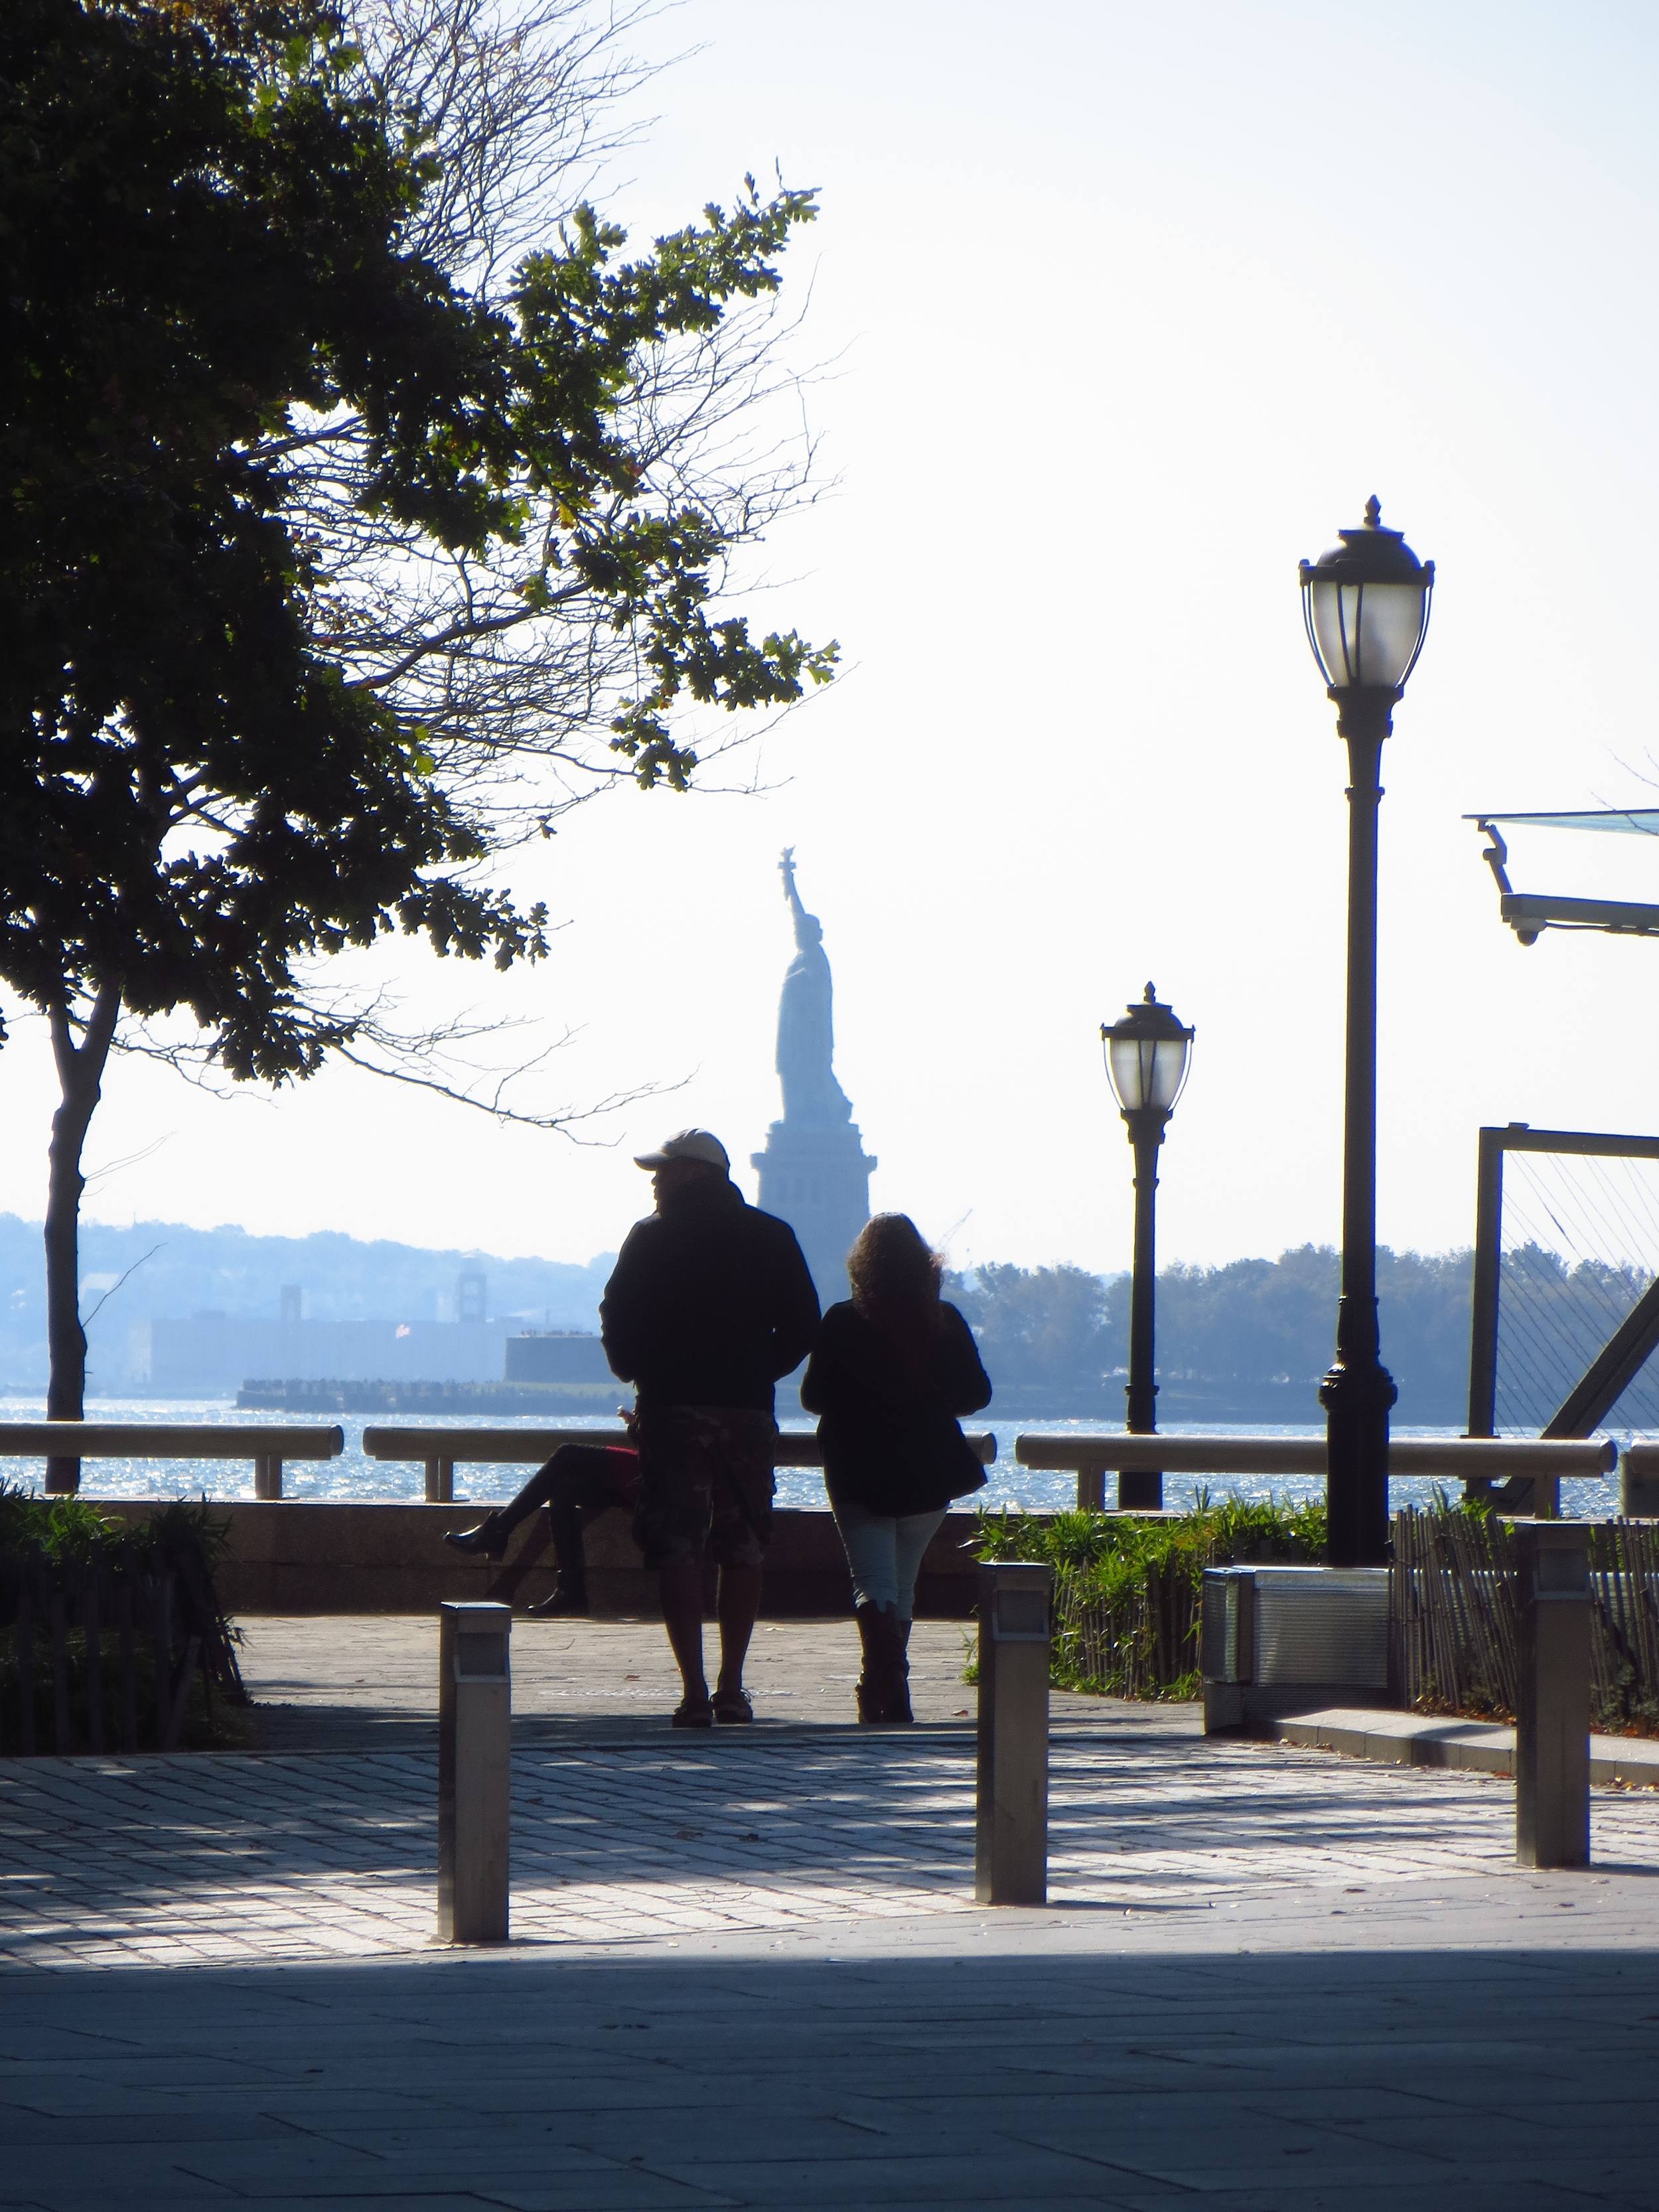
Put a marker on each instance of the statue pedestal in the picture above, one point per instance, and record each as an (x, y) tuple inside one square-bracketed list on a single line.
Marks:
[(818, 1180)]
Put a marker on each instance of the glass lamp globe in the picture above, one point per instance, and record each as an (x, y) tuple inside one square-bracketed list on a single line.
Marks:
[(1147, 1056), (1366, 605)]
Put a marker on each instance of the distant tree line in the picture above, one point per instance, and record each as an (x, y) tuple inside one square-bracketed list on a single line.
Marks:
[(1251, 1340)]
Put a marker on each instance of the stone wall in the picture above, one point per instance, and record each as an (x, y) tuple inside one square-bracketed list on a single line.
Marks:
[(301, 1557)]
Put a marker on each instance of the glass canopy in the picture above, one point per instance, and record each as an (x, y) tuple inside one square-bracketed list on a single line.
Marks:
[(1631, 822)]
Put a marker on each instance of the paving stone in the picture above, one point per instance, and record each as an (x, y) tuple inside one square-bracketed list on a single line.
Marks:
[(749, 1969)]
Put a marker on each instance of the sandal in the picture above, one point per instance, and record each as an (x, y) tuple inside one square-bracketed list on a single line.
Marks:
[(689, 1715), (732, 1705)]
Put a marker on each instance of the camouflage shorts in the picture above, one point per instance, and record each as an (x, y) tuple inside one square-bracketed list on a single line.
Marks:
[(706, 1485)]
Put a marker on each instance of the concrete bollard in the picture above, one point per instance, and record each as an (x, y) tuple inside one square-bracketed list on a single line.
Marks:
[(1552, 1736), (475, 1772), (1011, 1829)]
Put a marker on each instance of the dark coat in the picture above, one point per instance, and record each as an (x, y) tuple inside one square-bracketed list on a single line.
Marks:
[(709, 1302), (890, 1445)]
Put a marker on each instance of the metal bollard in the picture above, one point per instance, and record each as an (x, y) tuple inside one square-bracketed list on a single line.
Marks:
[(475, 1772), (1011, 1828), (1552, 1736)]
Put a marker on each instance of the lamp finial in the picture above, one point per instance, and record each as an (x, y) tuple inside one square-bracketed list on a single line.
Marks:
[(1151, 995), (1373, 512)]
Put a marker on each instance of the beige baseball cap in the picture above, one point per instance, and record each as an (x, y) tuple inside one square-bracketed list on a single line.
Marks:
[(687, 1145)]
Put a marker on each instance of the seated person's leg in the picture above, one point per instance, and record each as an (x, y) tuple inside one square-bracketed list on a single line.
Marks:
[(584, 1483), (576, 1467)]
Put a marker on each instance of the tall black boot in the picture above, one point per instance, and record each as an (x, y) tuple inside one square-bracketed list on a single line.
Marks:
[(897, 1636), (568, 1600), (872, 1688)]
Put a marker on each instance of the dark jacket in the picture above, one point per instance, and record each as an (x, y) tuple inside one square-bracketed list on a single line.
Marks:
[(890, 1444), (709, 1302)]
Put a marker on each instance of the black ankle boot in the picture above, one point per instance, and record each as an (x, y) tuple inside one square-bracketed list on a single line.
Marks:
[(487, 1540)]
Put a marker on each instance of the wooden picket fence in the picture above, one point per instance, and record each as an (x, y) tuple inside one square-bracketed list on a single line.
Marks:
[(100, 1651), (1454, 1617), (1139, 1640)]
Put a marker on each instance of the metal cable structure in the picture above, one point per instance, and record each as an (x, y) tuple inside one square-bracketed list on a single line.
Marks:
[(1579, 1240)]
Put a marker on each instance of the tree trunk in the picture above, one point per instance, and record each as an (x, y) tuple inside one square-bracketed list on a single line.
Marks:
[(80, 1075)]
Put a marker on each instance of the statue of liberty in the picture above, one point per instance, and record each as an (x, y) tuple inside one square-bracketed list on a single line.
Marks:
[(814, 1172), (806, 1030)]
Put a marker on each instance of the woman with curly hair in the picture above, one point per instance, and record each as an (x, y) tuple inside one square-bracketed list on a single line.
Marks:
[(893, 1367)]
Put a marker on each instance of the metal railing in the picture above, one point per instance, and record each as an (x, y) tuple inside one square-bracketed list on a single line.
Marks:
[(1475, 1461), (267, 1446), (440, 1450)]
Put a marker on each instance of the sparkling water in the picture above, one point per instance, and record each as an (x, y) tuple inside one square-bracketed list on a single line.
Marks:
[(355, 1479)]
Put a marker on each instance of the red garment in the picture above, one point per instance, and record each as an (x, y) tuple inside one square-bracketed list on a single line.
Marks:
[(624, 1472)]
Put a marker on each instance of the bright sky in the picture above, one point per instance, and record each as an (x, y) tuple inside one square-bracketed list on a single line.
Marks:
[(1133, 307)]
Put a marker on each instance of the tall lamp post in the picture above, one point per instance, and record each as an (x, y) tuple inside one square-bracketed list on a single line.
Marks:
[(1366, 606), (1147, 1056)]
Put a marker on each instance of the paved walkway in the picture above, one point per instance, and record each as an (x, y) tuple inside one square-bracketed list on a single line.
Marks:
[(747, 1970), (351, 1682), (182, 1861)]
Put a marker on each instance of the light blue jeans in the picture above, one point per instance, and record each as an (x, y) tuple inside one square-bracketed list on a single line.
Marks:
[(883, 1550)]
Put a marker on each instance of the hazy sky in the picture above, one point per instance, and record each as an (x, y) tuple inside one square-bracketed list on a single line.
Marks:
[(1133, 307)]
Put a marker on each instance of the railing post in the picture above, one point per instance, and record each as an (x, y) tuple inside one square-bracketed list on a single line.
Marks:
[(267, 1478), (1011, 1829), (1091, 1489), (1638, 1487), (475, 1772), (440, 1482), (1552, 1736)]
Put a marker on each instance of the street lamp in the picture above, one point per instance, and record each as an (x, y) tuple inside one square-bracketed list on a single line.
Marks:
[(1147, 1054), (1366, 606)]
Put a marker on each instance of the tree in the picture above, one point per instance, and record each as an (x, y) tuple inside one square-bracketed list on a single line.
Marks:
[(1037, 1325), (283, 495)]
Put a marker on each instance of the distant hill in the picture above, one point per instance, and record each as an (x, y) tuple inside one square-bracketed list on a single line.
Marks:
[(180, 1271)]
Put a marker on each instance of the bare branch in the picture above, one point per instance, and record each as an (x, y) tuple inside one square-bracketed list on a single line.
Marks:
[(86, 1320), (500, 1111), (431, 1059)]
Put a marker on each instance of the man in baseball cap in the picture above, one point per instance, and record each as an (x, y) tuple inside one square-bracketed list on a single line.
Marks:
[(687, 1145), (710, 1303)]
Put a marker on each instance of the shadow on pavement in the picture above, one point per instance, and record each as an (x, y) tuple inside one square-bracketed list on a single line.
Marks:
[(1484, 2081)]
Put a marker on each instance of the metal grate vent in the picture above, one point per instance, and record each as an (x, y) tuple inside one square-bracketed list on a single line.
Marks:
[(1323, 1624)]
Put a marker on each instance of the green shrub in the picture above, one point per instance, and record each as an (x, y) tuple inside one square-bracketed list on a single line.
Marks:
[(1129, 1591)]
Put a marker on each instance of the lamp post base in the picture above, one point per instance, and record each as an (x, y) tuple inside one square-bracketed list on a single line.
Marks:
[(1357, 1399)]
